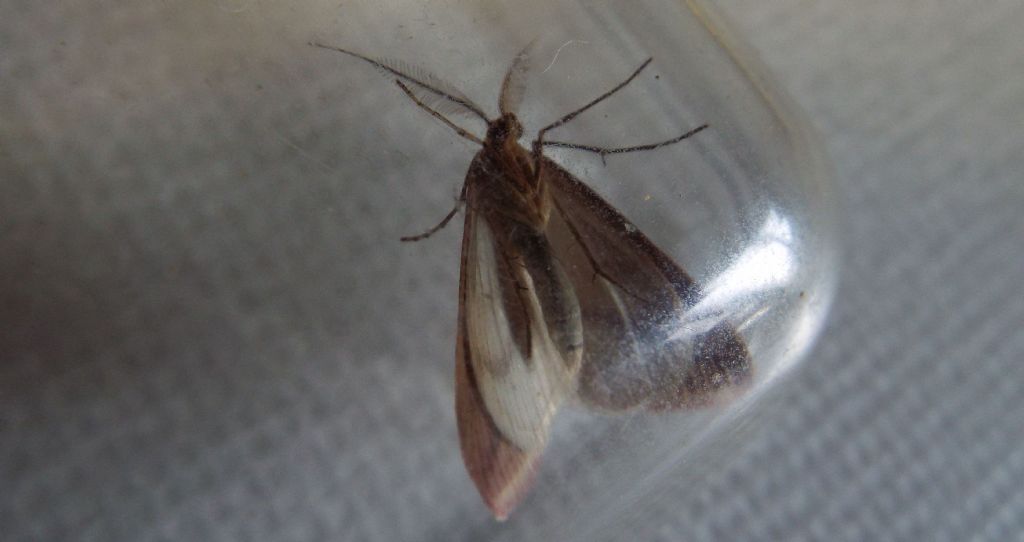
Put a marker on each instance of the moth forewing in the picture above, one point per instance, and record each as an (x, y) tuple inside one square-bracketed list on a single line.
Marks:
[(521, 373), (511, 376), (501, 471), (631, 297)]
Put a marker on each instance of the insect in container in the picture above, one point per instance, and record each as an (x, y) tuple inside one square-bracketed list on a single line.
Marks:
[(560, 296)]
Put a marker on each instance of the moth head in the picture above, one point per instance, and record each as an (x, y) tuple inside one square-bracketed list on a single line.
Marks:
[(505, 128)]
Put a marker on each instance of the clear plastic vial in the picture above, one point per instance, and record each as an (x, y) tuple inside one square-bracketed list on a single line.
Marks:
[(745, 207)]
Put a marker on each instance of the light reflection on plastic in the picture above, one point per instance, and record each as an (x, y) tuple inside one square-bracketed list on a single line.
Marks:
[(737, 292), (768, 262)]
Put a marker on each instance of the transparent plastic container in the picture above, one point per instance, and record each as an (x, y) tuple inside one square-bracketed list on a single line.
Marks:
[(745, 207)]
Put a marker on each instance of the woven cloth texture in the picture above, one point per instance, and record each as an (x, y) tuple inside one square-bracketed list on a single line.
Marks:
[(174, 245)]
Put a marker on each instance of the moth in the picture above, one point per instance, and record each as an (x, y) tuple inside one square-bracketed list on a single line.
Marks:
[(560, 296)]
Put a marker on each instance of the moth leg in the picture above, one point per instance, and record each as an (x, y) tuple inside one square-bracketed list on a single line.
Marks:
[(444, 221), (458, 129), (538, 144), (605, 151)]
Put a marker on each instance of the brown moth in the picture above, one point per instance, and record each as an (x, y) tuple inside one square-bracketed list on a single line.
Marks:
[(560, 296)]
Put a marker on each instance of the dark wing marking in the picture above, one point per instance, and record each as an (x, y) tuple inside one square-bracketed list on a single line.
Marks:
[(638, 351)]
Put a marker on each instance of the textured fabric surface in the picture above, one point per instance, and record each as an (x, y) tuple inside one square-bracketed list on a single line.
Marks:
[(170, 328)]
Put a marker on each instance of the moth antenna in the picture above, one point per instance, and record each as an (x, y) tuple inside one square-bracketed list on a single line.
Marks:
[(458, 129), (605, 151), (422, 79), (538, 144), (514, 86)]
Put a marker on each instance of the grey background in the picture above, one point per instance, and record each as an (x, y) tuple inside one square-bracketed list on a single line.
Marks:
[(172, 314)]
